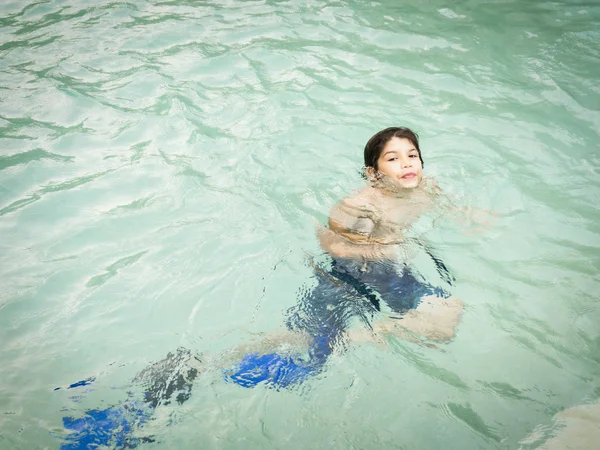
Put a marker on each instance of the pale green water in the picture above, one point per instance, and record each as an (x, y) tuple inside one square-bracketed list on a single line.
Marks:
[(162, 165)]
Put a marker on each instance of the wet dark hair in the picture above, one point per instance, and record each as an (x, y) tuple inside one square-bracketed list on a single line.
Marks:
[(376, 144)]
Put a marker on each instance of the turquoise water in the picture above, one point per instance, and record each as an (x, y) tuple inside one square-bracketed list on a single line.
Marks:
[(162, 166)]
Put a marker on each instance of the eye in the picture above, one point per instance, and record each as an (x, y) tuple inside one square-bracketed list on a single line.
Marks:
[(393, 159), (412, 156)]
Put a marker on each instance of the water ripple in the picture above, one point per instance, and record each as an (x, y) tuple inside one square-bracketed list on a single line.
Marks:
[(158, 157)]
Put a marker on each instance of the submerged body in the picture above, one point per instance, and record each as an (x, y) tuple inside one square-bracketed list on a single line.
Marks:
[(380, 294)]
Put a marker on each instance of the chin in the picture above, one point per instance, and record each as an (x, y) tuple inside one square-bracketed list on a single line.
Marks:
[(410, 184)]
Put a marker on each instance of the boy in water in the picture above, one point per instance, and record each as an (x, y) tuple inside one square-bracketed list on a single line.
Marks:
[(366, 240), (367, 231), (367, 243)]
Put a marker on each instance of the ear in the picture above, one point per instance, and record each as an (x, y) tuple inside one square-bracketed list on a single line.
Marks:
[(371, 173)]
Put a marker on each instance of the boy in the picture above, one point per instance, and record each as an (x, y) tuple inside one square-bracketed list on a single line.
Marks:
[(366, 236), (366, 239)]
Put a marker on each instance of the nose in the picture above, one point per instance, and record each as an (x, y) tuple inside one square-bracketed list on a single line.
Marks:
[(406, 162)]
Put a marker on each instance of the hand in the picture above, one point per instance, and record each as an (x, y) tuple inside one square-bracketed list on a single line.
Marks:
[(480, 220)]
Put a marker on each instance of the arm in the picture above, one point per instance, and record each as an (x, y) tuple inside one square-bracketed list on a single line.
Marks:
[(351, 224), (466, 216), (352, 246)]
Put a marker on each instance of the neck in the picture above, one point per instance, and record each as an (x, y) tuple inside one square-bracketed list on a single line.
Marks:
[(391, 189)]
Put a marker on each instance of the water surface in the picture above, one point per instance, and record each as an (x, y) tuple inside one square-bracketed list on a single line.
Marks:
[(162, 165)]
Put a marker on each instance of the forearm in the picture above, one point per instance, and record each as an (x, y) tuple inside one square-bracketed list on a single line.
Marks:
[(340, 246), (466, 216)]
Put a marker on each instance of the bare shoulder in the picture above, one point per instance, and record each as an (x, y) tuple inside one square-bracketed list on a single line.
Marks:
[(360, 203), (431, 186), (355, 213)]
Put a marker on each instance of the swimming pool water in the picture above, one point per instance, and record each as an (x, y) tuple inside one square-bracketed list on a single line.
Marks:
[(162, 167)]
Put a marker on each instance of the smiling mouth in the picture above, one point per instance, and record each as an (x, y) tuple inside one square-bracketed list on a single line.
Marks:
[(409, 175)]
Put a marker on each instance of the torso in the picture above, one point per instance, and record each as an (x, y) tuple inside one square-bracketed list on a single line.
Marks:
[(383, 216)]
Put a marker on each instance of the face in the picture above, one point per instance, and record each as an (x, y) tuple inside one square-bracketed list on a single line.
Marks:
[(400, 163)]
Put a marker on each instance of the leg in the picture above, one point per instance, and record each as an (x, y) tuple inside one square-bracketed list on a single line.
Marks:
[(435, 318)]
